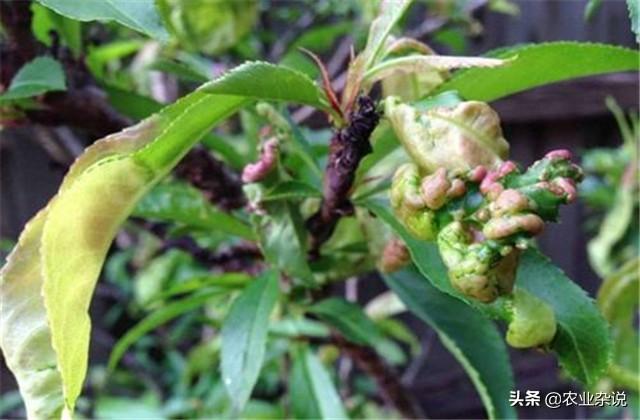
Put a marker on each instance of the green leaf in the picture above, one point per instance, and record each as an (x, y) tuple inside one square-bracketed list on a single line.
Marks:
[(591, 9), (157, 318), (130, 103), (634, 15), (147, 406), (618, 301), (538, 65), (260, 80), (411, 64), (582, 342), (179, 202), (288, 190), (389, 12), (41, 75), (64, 256), (244, 337), (296, 327), (223, 282), (208, 26), (139, 15), (46, 20), (283, 240), (356, 326), (312, 393), (470, 337)]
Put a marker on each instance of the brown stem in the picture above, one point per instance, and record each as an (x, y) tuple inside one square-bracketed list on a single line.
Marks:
[(348, 146), (389, 385), (245, 256), (219, 184)]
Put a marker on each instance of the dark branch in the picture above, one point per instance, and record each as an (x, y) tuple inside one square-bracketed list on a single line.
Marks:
[(389, 385), (244, 256), (82, 105), (348, 146), (219, 184)]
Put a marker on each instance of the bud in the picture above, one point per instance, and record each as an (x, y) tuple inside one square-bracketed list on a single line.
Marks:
[(394, 256), (532, 323), (255, 172), (461, 137)]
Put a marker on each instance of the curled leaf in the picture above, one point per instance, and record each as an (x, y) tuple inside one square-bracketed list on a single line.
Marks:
[(460, 137)]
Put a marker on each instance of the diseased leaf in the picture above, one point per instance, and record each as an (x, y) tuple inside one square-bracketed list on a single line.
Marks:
[(582, 342), (139, 15), (179, 202), (24, 335), (244, 337), (157, 318), (470, 337), (41, 75), (261, 80), (538, 65), (312, 392)]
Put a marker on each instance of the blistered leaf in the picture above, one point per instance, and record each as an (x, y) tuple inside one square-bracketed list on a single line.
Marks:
[(139, 15), (458, 137), (538, 65), (244, 337), (41, 75), (312, 392), (470, 337), (582, 342)]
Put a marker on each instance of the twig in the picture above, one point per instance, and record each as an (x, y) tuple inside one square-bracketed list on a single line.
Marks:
[(389, 385), (244, 257), (348, 146), (219, 184)]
